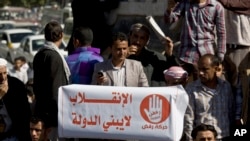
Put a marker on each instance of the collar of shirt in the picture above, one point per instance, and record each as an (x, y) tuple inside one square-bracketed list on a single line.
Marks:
[(220, 82), (118, 68)]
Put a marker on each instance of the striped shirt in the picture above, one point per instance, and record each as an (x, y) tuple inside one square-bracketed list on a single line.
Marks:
[(81, 64), (209, 106), (198, 29)]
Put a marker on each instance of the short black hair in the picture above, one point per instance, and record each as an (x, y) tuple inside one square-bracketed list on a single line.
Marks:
[(21, 58), (53, 31), (36, 118), (203, 127), (84, 35), (118, 36)]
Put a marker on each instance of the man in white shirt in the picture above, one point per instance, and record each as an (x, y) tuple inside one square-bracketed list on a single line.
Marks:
[(18, 72)]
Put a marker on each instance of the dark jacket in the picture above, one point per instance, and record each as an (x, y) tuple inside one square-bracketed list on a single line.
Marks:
[(49, 75), (16, 103), (154, 64)]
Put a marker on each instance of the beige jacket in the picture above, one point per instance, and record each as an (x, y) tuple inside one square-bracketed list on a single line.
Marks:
[(134, 74)]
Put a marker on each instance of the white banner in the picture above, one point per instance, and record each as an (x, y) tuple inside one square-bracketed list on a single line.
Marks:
[(108, 112)]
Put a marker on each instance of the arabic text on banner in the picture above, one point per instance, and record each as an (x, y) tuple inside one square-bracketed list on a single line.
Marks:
[(107, 112)]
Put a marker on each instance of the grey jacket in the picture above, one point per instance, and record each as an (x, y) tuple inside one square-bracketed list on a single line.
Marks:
[(134, 74)]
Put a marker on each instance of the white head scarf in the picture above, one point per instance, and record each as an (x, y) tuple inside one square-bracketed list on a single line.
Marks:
[(3, 62), (4, 85)]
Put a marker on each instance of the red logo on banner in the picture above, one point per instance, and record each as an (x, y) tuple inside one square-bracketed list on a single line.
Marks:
[(155, 108)]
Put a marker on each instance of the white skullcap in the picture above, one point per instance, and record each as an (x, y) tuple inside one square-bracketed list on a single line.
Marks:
[(3, 62)]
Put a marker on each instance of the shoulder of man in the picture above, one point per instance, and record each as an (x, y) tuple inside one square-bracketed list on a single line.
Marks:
[(133, 61), (16, 87), (13, 81), (47, 53)]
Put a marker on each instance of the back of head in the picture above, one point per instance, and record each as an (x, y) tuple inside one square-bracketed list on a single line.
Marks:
[(84, 35), (53, 31)]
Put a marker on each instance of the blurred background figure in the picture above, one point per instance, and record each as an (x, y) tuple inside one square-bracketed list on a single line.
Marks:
[(236, 61), (221, 72), (175, 75), (17, 70), (25, 65)]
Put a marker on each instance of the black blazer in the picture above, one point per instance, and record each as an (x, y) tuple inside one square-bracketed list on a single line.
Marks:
[(49, 75), (16, 103)]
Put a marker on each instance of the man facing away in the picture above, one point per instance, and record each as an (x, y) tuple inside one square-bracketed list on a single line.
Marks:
[(210, 100), (50, 72), (82, 60), (119, 71)]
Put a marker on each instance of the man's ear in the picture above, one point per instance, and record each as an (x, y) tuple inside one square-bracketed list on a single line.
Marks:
[(76, 42)]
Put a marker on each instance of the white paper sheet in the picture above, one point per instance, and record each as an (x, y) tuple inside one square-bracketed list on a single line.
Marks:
[(159, 33)]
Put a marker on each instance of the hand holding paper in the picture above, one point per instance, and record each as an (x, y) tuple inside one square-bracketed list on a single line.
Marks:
[(159, 33)]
